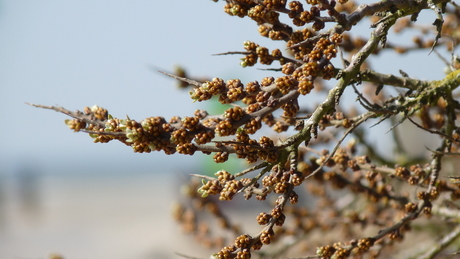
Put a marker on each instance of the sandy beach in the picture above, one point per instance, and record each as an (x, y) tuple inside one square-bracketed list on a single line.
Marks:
[(87, 216)]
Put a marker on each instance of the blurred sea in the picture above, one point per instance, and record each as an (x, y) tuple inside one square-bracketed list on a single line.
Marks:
[(90, 216)]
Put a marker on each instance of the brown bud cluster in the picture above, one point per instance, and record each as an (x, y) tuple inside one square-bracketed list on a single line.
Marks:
[(348, 192)]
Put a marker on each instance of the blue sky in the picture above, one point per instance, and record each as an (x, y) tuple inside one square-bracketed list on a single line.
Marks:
[(82, 53)]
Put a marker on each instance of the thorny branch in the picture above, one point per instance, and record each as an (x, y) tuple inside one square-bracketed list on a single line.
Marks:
[(348, 188)]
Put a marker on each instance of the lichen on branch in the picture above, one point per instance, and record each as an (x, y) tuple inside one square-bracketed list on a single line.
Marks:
[(301, 142)]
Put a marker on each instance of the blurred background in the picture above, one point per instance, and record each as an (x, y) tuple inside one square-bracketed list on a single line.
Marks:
[(61, 193)]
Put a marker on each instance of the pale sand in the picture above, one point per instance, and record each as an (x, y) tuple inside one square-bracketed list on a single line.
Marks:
[(85, 217)]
